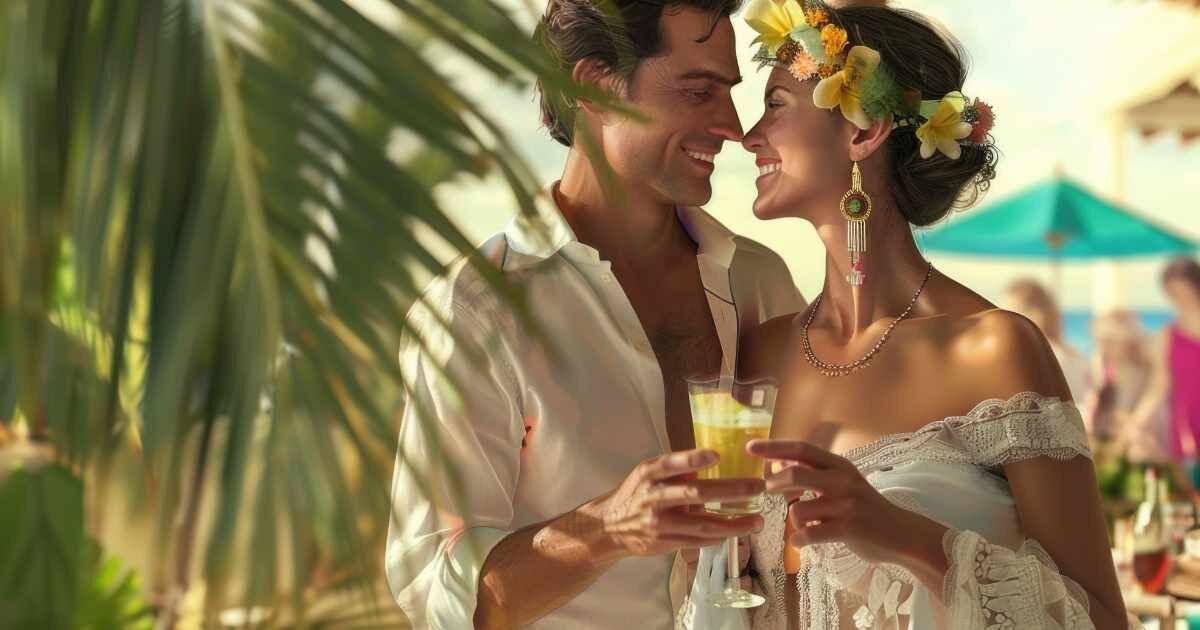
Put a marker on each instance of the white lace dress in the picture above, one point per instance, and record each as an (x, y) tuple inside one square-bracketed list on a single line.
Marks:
[(951, 472)]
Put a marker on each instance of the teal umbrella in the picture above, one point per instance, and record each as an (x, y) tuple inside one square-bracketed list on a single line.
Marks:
[(1055, 219)]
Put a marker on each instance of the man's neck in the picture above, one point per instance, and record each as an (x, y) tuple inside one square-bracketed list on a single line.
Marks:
[(626, 225)]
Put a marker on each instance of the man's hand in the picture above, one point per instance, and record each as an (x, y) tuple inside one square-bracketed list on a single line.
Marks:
[(655, 510)]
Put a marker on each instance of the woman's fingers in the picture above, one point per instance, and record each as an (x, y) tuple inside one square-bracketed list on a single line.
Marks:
[(794, 480), (820, 509), (797, 451), (818, 533)]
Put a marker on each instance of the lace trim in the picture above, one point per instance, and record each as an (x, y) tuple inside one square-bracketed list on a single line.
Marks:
[(834, 582), (1008, 589), (994, 433)]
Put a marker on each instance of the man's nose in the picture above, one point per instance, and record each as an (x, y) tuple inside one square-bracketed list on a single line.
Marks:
[(727, 125)]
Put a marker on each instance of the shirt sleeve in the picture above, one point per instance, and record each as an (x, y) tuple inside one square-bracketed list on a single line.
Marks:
[(456, 465)]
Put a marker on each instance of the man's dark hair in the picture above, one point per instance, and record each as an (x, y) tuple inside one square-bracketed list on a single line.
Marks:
[(620, 33)]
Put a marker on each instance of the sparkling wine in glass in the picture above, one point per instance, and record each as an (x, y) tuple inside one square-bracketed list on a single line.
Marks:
[(725, 416)]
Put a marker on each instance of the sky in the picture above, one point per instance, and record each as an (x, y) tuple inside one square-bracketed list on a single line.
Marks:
[(1052, 71)]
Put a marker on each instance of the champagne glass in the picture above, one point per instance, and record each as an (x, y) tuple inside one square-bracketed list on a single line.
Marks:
[(725, 416)]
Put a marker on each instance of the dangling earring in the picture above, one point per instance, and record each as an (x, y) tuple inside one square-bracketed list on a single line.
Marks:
[(856, 207)]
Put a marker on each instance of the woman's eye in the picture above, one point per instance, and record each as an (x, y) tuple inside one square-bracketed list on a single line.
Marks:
[(774, 104)]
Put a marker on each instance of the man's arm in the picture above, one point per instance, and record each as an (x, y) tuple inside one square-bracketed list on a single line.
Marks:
[(457, 464), (653, 512), (452, 559)]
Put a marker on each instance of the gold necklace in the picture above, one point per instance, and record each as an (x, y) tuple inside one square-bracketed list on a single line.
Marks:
[(834, 369)]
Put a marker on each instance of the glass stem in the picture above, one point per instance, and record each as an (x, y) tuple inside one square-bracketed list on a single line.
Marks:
[(733, 572)]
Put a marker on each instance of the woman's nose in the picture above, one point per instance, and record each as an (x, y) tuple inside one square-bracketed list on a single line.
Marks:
[(753, 140)]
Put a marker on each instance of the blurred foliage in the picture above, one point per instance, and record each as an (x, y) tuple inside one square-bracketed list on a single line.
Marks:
[(43, 545), (207, 254)]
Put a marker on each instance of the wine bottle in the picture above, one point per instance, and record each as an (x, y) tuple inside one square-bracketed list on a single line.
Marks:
[(1151, 536)]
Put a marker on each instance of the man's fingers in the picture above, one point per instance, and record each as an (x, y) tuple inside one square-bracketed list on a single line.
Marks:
[(675, 523), (796, 450), (678, 463), (697, 492)]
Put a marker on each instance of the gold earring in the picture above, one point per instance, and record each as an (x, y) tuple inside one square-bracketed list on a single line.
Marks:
[(856, 207)]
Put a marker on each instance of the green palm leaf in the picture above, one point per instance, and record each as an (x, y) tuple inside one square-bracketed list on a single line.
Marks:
[(207, 258)]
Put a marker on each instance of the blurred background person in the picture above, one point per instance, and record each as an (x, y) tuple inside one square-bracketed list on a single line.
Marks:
[(1031, 299), (1173, 390), (1123, 362)]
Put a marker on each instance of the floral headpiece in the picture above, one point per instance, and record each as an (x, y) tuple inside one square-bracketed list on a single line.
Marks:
[(804, 41)]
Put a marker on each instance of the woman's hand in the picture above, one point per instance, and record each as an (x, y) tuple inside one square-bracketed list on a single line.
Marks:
[(847, 508)]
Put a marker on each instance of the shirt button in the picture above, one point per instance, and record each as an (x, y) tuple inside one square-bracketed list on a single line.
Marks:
[(606, 277)]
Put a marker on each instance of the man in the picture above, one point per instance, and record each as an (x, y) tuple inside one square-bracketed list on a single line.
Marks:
[(556, 501)]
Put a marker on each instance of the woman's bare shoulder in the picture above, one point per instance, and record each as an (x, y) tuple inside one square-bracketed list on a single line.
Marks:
[(1011, 350)]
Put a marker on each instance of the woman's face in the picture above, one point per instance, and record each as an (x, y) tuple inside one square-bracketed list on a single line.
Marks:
[(800, 149), (1183, 297)]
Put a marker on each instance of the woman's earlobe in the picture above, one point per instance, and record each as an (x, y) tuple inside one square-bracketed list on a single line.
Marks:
[(867, 141)]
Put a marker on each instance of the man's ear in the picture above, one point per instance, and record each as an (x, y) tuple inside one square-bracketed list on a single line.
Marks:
[(594, 73), (865, 142)]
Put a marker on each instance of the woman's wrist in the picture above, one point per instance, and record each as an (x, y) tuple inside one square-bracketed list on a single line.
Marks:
[(919, 544)]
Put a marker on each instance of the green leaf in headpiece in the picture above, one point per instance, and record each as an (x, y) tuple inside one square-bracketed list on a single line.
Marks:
[(881, 95)]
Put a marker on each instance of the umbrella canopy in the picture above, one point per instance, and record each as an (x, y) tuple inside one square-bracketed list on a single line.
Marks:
[(1055, 219)]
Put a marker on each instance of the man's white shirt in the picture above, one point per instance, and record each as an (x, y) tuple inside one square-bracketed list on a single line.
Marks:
[(544, 420)]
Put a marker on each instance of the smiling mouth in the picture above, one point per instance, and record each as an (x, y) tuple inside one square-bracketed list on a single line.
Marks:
[(767, 169), (703, 157)]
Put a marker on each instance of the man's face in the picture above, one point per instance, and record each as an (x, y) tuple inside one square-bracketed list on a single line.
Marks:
[(685, 93)]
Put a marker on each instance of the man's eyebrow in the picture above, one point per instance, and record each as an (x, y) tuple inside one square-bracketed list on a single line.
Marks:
[(711, 76)]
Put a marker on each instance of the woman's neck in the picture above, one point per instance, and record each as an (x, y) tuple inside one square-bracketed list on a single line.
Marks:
[(1189, 322), (894, 268)]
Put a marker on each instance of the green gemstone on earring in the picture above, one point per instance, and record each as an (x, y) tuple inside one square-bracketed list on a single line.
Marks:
[(855, 205)]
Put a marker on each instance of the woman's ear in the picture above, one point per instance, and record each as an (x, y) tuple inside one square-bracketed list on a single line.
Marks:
[(593, 73), (865, 142)]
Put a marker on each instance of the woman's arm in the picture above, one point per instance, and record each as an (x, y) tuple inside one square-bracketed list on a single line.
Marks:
[(1156, 390)]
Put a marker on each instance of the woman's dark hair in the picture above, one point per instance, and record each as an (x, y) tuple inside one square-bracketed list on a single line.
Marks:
[(619, 33), (923, 58), (1184, 269)]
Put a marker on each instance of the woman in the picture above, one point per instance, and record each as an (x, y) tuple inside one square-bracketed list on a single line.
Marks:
[(1175, 372), (927, 460), (1124, 359)]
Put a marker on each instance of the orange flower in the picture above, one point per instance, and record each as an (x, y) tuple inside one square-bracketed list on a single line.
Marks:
[(834, 39), (816, 17), (803, 66), (826, 70)]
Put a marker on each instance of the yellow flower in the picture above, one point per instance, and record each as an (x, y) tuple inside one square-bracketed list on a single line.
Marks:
[(774, 20), (945, 128), (840, 89), (834, 38)]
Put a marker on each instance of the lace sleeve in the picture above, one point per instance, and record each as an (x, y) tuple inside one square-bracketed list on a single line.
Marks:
[(990, 586), (1025, 426)]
